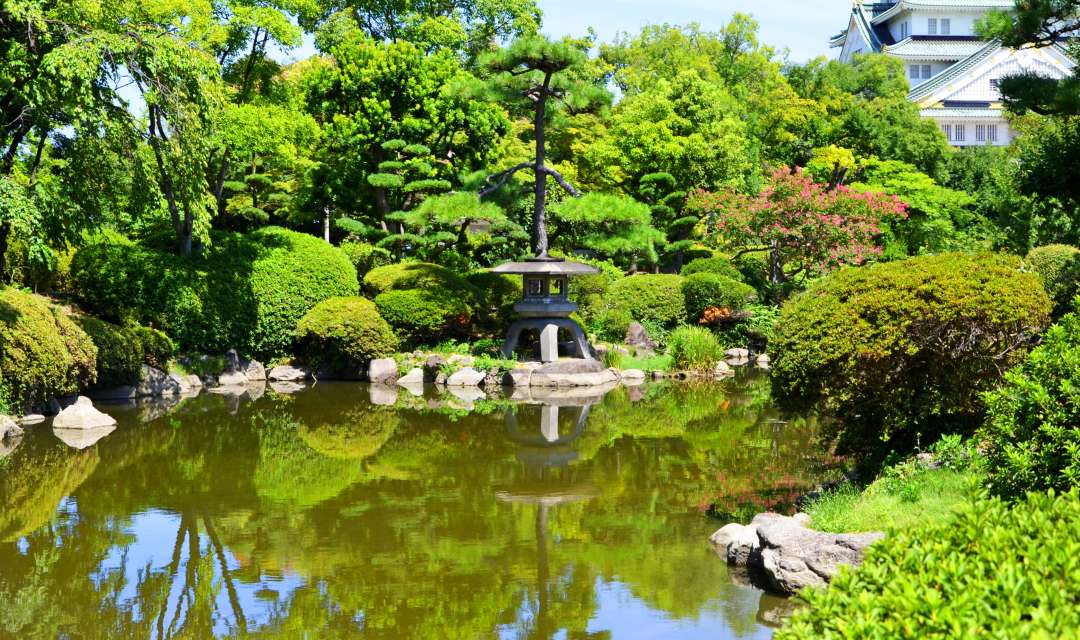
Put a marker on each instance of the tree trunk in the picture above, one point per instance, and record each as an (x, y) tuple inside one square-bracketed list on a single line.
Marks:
[(540, 236)]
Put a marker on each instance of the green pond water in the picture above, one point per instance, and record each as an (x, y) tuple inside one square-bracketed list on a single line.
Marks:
[(325, 513)]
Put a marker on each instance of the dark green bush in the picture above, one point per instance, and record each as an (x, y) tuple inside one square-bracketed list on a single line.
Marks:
[(119, 351), (694, 349), (497, 295), (424, 316), (366, 257), (716, 264), (242, 291), (588, 291), (157, 347), (43, 353), (899, 349), (651, 299), (417, 275), (1058, 266), (990, 571), (704, 290), (1032, 438), (343, 334)]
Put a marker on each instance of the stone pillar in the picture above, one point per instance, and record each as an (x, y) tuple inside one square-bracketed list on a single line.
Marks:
[(549, 343), (549, 422)]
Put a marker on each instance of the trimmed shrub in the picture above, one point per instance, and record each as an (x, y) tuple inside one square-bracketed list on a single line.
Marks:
[(424, 316), (417, 275), (498, 294), (651, 299), (366, 257), (343, 334), (1032, 438), (990, 571), (1058, 266), (119, 351), (242, 291), (717, 264), (158, 348), (694, 349), (589, 291), (899, 349), (704, 290), (43, 353)]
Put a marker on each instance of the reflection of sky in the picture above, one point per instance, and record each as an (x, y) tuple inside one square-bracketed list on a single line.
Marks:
[(153, 536)]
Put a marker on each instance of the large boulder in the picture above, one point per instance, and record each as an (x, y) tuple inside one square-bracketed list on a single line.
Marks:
[(415, 377), (254, 370), (467, 377), (573, 373), (637, 336), (9, 429), (82, 438), (383, 371), (287, 373), (155, 383), (232, 379), (82, 415)]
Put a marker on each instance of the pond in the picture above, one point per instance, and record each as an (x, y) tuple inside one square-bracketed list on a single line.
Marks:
[(342, 510)]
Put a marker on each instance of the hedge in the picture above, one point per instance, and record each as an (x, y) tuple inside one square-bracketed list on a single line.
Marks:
[(344, 334), (366, 257), (716, 264), (1058, 266), (121, 351), (242, 291), (497, 295), (1032, 439), (424, 316), (655, 300), (990, 571), (705, 290), (43, 352), (417, 275), (903, 350)]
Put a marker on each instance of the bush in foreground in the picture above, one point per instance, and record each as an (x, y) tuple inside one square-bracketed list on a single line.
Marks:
[(655, 300), (694, 349), (1032, 438), (344, 334), (43, 353), (990, 571), (906, 349), (705, 290), (1058, 266), (424, 316)]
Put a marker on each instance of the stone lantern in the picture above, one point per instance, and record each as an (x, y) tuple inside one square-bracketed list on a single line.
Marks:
[(545, 307)]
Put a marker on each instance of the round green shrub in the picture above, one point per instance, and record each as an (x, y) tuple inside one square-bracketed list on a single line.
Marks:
[(588, 291), (611, 323), (651, 299), (694, 349), (119, 351), (43, 353), (704, 290), (1032, 438), (899, 349), (498, 294), (343, 334), (991, 571), (241, 291), (424, 316), (157, 348), (717, 264), (417, 275), (366, 257), (1058, 266)]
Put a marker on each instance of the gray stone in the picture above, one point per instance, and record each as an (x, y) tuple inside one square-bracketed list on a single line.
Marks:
[(763, 358), (254, 370), (542, 378), (232, 361), (802, 518), (723, 536), (415, 376), (637, 336), (440, 378), (82, 438), (286, 387), (467, 395), (631, 375), (233, 379), (31, 418), (743, 546), (82, 415), (723, 370), (287, 373), (383, 371), (794, 557), (576, 365), (492, 380), (9, 429), (467, 377), (518, 378), (155, 383), (434, 361), (737, 354), (382, 394)]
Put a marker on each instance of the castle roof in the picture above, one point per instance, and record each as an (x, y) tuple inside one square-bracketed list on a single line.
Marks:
[(940, 5), (936, 47)]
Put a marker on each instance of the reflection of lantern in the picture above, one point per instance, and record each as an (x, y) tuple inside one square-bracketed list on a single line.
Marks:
[(545, 307)]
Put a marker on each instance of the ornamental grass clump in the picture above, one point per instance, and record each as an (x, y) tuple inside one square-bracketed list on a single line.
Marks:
[(993, 570), (694, 349), (906, 349)]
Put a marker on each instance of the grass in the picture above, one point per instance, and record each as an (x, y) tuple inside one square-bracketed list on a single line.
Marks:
[(905, 496), (660, 362)]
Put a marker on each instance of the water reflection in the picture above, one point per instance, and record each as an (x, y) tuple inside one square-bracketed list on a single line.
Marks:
[(335, 511)]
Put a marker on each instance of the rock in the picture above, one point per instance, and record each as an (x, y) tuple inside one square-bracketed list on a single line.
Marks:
[(434, 361), (383, 371), (743, 546), (577, 365), (254, 370), (725, 534), (794, 557), (637, 336), (802, 518), (573, 373), (518, 378), (723, 370), (467, 377), (30, 419), (232, 361), (632, 375), (415, 376), (286, 387), (467, 395), (82, 438), (9, 430), (440, 378), (82, 415), (763, 358), (492, 380), (155, 383), (461, 360), (737, 354), (415, 389), (233, 379), (382, 394), (193, 381), (287, 373)]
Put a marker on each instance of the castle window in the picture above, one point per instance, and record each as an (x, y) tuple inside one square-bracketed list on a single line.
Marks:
[(947, 128), (913, 72), (991, 133), (931, 26), (946, 26), (960, 133), (980, 133), (926, 72)]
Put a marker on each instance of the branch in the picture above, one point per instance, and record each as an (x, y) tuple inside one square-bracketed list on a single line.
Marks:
[(561, 180), (501, 178)]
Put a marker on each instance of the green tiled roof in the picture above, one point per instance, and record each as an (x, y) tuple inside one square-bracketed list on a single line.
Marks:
[(937, 49), (946, 112), (954, 72)]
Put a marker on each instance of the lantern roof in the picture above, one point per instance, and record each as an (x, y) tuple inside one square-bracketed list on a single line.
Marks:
[(546, 267)]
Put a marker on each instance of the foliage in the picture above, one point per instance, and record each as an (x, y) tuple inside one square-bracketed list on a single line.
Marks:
[(457, 223), (899, 349), (43, 352), (497, 296), (417, 275), (366, 257), (1031, 438), (245, 291), (1058, 266), (343, 334), (424, 316), (119, 351), (706, 290), (654, 300), (694, 349), (716, 264), (991, 570), (616, 228)]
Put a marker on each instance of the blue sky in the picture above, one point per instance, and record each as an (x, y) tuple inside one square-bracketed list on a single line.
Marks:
[(804, 27)]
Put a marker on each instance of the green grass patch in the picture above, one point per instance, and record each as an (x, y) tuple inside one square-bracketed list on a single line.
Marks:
[(660, 362), (905, 496)]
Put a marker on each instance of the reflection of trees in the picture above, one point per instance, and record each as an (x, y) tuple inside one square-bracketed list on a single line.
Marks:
[(35, 479)]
